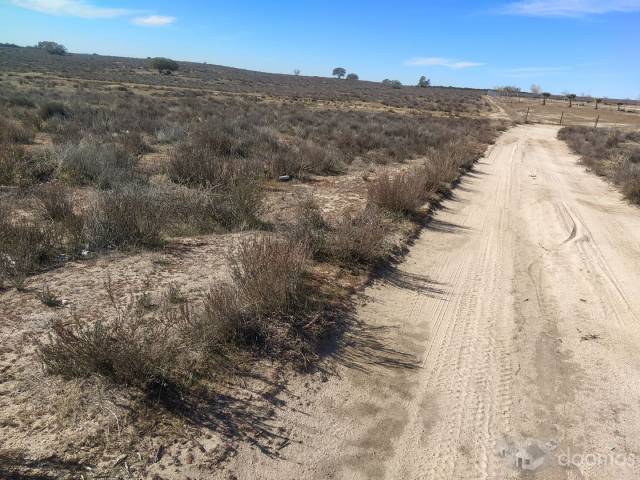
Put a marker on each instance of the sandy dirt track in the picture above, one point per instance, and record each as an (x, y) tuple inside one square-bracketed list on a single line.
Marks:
[(515, 318)]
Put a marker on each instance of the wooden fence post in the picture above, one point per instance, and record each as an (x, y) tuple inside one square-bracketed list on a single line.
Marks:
[(526, 117), (595, 125), (561, 115)]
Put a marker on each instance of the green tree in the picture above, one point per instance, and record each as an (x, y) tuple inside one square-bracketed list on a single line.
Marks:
[(571, 97), (424, 82), (597, 101), (545, 95), (353, 76), (164, 65), (339, 72), (392, 83), (53, 48)]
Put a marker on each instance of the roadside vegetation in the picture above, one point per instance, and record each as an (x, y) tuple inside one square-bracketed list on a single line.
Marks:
[(610, 153), (89, 169)]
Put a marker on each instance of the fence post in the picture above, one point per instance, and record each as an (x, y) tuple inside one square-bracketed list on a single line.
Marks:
[(526, 117), (561, 115), (595, 125)]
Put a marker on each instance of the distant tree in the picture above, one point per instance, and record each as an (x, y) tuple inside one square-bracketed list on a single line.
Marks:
[(424, 82), (353, 76), (536, 89), (53, 48), (597, 101), (392, 83), (508, 90), (619, 104), (571, 97), (545, 95), (164, 65), (339, 72), (296, 72)]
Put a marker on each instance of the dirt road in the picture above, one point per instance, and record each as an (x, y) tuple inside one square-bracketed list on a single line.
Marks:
[(516, 313)]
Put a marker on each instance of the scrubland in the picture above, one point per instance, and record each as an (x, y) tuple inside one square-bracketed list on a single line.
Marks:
[(159, 282), (610, 153)]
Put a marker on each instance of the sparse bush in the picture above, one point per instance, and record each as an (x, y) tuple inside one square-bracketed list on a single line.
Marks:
[(610, 153), (48, 298), (128, 216), (11, 132), (403, 193), (357, 239), (134, 349), (21, 100), (310, 228), (19, 168), (55, 204), (25, 246), (170, 133), (104, 165), (266, 302)]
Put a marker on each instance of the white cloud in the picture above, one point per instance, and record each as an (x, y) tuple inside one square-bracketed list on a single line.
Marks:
[(154, 21), (440, 62), (74, 8), (570, 8)]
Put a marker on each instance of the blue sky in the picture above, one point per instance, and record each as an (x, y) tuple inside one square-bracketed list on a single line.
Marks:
[(582, 46)]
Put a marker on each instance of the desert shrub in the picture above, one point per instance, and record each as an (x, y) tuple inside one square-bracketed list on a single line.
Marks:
[(631, 187), (202, 165), (610, 153), (53, 109), (23, 169), (319, 160), (133, 143), (55, 203), (103, 165), (25, 246), (402, 193), (170, 133), (134, 349), (310, 228), (628, 177), (265, 304), (357, 239), (127, 216), (12, 132), (21, 100)]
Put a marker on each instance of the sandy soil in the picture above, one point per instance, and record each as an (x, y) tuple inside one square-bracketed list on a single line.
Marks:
[(513, 320)]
